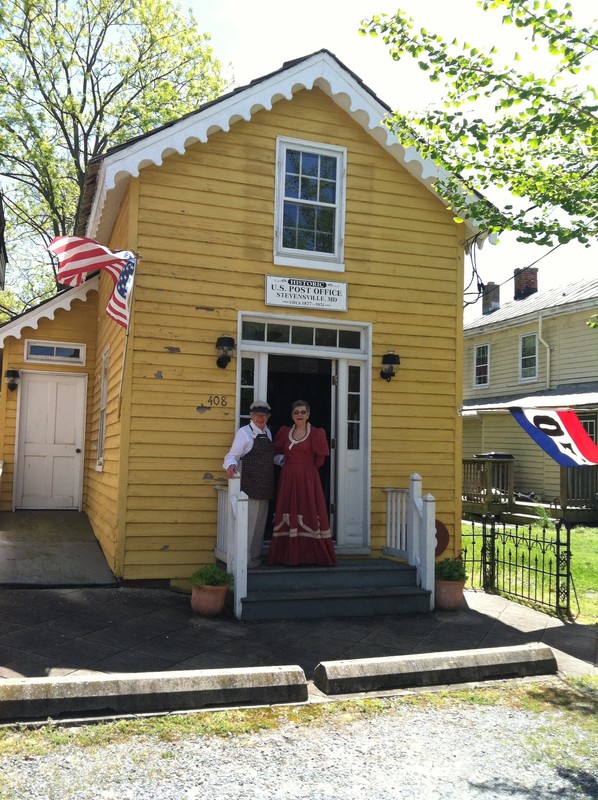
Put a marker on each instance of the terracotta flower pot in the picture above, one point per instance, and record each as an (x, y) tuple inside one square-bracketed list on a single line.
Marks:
[(449, 594), (208, 600)]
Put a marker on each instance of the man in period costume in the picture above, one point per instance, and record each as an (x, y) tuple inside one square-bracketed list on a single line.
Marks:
[(252, 454)]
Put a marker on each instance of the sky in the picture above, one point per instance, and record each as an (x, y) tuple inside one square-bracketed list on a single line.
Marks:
[(253, 39)]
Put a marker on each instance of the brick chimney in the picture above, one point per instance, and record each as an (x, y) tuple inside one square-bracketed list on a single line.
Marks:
[(490, 298), (526, 282)]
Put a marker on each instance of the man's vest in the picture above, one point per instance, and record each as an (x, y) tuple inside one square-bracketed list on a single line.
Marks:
[(257, 473)]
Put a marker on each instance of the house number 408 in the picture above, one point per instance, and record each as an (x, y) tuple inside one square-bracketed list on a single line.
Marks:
[(218, 400)]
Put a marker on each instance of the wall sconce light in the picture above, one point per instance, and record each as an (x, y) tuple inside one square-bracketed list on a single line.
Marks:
[(11, 379), (226, 347), (389, 361)]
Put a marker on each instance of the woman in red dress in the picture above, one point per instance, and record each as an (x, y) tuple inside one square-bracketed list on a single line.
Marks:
[(301, 533)]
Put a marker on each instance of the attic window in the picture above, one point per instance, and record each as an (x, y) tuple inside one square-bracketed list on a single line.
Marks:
[(310, 205), (39, 352)]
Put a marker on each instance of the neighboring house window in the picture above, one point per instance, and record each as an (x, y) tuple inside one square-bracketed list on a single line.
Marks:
[(38, 352), (310, 205), (103, 404), (589, 423), (528, 357), (481, 370)]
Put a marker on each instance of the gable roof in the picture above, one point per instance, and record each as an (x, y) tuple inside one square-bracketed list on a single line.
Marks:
[(108, 175), (579, 296)]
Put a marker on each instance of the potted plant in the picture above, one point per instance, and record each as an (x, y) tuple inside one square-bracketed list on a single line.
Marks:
[(450, 580), (209, 586)]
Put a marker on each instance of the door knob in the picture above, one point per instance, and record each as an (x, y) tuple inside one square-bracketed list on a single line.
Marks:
[(78, 450)]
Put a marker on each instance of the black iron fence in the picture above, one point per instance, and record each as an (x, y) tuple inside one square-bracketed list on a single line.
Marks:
[(520, 561)]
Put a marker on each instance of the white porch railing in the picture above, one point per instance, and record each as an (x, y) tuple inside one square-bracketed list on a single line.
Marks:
[(410, 533), (231, 537), (411, 530)]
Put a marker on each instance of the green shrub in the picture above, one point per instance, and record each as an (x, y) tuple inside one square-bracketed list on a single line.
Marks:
[(212, 575), (451, 569)]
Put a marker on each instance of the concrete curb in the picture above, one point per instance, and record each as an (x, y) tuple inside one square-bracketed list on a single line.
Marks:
[(433, 669), (27, 699)]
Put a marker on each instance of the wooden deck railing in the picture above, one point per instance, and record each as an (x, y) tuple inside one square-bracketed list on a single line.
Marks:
[(488, 488), (488, 481)]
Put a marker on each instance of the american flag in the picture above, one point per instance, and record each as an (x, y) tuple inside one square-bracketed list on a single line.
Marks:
[(118, 305), (77, 256)]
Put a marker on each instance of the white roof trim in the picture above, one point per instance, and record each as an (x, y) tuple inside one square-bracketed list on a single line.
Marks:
[(556, 401), (31, 319), (320, 70)]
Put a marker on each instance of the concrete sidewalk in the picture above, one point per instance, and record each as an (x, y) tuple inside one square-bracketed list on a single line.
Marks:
[(91, 630)]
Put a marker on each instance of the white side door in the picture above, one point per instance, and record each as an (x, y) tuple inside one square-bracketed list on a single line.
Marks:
[(50, 441)]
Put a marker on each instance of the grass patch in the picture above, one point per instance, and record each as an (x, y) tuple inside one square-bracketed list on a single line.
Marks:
[(572, 702), (584, 570)]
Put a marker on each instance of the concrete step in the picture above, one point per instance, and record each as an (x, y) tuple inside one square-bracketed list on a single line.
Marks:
[(356, 601), (355, 573)]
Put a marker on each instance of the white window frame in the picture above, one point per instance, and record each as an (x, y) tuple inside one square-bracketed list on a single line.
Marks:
[(534, 377), (288, 257), (478, 384), (54, 359), (104, 378), (588, 420)]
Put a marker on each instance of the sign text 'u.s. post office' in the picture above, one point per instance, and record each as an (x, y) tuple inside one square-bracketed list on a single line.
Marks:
[(306, 293)]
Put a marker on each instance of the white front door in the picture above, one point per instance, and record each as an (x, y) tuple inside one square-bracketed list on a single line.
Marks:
[(50, 441), (340, 385)]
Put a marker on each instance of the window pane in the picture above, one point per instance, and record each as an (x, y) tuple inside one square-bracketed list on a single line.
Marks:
[(41, 350), (327, 192), (254, 331), (247, 371), (306, 240), (325, 243), (328, 167), (350, 339), (278, 333), (353, 407), (325, 220), (326, 337), (289, 238), (293, 161), (354, 379), (246, 400), (67, 352), (310, 163), (306, 217), (291, 186), (302, 335), (309, 189), (291, 214), (353, 436)]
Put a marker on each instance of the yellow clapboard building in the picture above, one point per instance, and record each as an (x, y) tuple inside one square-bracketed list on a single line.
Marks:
[(366, 276)]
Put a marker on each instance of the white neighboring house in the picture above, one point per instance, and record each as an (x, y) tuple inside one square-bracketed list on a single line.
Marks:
[(535, 350)]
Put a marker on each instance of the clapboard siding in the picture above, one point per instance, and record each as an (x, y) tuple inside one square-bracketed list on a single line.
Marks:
[(205, 231)]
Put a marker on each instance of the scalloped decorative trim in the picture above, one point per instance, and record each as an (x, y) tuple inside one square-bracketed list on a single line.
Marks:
[(31, 319), (319, 70)]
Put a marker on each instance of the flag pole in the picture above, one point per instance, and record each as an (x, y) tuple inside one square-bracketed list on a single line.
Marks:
[(126, 343)]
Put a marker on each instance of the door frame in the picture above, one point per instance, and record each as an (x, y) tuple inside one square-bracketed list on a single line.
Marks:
[(18, 466), (338, 356)]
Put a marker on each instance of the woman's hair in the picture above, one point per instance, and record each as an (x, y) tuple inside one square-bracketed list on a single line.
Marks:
[(299, 403)]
